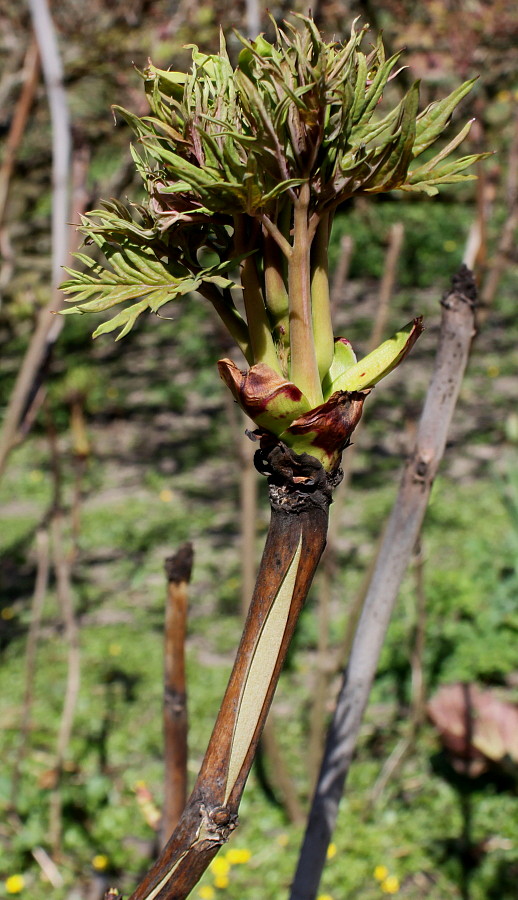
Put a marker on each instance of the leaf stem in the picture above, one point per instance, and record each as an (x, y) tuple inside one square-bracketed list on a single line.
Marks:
[(277, 235), (277, 299), (320, 299), (303, 361), (261, 340)]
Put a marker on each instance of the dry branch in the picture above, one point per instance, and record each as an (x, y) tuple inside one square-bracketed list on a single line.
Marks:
[(48, 326), (300, 494), (31, 69), (178, 571), (401, 533)]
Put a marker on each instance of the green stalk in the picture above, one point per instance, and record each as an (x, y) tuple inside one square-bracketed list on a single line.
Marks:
[(261, 340), (303, 361), (320, 299), (277, 299)]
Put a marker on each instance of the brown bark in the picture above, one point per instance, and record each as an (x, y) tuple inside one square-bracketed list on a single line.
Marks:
[(178, 571), (300, 494)]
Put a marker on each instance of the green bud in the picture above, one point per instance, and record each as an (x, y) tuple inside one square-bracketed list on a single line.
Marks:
[(373, 367), (344, 357), (169, 83), (270, 400), (262, 48)]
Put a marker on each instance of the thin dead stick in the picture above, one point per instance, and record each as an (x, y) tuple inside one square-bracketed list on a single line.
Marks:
[(64, 591), (253, 18), (178, 570), (417, 706), (416, 660), (317, 716), (457, 330), (31, 68), (48, 867), (48, 326), (38, 599), (506, 239), (388, 280), (316, 738)]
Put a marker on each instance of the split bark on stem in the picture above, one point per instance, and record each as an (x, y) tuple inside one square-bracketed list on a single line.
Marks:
[(300, 494), (401, 533), (178, 571)]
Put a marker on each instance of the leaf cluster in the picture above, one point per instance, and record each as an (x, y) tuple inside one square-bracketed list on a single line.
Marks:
[(225, 147)]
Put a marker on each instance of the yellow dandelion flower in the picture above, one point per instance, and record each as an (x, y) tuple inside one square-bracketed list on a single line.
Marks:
[(220, 866), (114, 649), (100, 862), (14, 884), (331, 851), (390, 885), (166, 495), (7, 613), (236, 857), (282, 839), (324, 897), (380, 873), (221, 881), (207, 892)]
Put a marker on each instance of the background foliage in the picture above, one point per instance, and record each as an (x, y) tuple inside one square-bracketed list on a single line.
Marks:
[(152, 464)]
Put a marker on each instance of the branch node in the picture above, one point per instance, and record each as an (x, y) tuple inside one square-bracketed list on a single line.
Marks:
[(296, 480), (178, 567), (217, 824)]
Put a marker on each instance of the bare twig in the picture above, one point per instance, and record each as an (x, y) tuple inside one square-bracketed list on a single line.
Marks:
[(506, 239), (48, 867), (417, 703), (388, 279), (178, 570), (31, 69), (48, 326), (323, 674), (317, 715), (253, 18), (457, 330)]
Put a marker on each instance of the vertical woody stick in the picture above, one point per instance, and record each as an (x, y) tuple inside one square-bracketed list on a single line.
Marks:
[(178, 570)]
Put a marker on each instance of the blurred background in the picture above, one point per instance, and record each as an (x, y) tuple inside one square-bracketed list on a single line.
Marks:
[(123, 451)]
